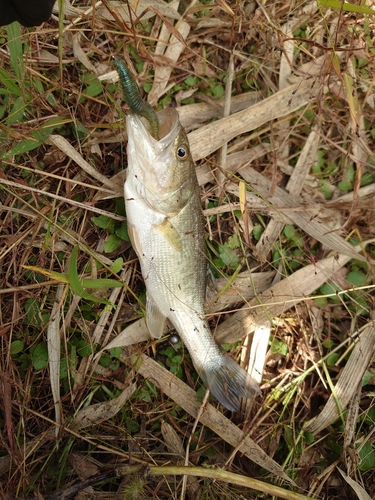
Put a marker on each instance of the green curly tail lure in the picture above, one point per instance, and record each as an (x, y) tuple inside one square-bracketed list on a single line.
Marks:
[(133, 98)]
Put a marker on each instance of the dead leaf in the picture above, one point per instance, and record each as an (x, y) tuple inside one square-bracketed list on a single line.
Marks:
[(348, 381)]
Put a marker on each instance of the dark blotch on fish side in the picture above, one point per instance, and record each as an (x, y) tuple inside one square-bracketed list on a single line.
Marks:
[(133, 98)]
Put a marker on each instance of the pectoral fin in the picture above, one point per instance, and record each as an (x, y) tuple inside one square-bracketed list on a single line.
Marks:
[(155, 320), (134, 238), (170, 234)]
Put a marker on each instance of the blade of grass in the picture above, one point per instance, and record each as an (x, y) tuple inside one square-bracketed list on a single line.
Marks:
[(54, 353), (37, 138), (75, 281), (8, 81), (347, 7), (61, 41), (15, 48), (98, 283)]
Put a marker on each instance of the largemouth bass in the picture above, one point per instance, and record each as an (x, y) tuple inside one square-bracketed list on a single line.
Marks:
[(166, 228)]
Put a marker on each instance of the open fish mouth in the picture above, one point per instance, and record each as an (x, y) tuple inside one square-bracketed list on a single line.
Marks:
[(169, 127)]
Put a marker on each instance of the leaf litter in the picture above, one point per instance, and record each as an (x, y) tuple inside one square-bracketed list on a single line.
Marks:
[(303, 91)]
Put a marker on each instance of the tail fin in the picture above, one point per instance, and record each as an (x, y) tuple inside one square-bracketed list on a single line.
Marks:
[(229, 382)]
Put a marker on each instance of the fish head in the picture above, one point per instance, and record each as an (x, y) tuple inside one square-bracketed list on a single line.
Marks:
[(161, 171)]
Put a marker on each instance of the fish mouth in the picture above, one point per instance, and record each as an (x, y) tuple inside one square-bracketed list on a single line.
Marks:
[(169, 128)]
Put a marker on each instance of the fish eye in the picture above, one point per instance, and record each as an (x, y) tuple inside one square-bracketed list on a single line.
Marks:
[(182, 153)]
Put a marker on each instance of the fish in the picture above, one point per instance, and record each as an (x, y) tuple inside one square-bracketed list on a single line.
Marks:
[(167, 231)]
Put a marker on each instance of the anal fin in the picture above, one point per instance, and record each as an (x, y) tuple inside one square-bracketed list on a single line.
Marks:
[(155, 320), (211, 288)]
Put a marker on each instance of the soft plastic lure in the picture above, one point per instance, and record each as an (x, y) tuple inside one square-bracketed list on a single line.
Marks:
[(133, 98)]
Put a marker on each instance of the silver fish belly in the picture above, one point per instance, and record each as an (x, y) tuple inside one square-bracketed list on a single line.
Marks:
[(166, 228)]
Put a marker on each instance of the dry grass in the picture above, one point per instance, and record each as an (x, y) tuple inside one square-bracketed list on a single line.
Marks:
[(286, 166)]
